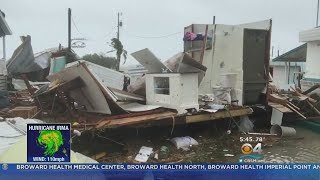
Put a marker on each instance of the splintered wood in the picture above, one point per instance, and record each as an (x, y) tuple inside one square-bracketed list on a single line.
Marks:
[(281, 101)]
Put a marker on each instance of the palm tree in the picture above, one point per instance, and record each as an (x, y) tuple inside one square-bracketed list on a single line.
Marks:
[(118, 47)]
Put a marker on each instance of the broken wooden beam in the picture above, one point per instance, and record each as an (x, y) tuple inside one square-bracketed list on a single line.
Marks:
[(311, 89), (112, 123), (296, 111), (218, 115), (313, 107)]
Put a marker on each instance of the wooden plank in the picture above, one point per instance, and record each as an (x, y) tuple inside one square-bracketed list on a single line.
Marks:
[(217, 115), (313, 107), (134, 120), (280, 107), (303, 97), (292, 108), (23, 111), (311, 89), (204, 45)]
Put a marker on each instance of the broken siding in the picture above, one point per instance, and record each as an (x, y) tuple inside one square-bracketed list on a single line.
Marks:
[(107, 77), (227, 56), (90, 95), (150, 61)]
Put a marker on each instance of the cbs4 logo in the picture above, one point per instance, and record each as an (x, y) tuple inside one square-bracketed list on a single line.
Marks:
[(248, 149)]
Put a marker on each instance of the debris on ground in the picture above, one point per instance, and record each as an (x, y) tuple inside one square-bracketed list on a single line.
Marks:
[(245, 124), (144, 154), (184, 143)]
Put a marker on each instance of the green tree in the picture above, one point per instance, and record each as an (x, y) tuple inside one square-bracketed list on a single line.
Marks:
[(118, 47), (109, 62)]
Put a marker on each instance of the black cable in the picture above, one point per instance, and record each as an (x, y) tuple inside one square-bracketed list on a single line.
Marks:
[(154, 37)]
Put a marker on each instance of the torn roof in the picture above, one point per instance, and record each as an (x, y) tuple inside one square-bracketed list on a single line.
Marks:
[(12, 130), (8, 136), (297, 54), (4, 27)]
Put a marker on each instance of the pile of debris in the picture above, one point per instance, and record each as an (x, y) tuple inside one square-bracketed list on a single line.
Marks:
[(295, 103), (198, 85)]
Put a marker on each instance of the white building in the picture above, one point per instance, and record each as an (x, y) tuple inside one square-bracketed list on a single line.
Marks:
[(312, 74), (286, 68)]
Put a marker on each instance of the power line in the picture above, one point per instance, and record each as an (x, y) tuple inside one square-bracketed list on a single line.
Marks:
[(74, 24), (154, 37)]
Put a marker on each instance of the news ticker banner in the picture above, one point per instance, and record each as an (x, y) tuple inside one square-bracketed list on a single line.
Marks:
[(156, 167), (164, 171)]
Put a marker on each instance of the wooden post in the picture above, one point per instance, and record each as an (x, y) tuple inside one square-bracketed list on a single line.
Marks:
[(204, 45)]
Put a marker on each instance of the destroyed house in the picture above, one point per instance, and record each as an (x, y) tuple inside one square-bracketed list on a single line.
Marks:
[(235, 56)]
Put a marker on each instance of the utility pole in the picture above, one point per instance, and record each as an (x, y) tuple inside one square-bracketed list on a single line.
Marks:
[(119, 25), (69, 29), (317, 23)]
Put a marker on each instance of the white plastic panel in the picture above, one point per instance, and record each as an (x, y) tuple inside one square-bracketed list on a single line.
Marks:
[(310, 35)]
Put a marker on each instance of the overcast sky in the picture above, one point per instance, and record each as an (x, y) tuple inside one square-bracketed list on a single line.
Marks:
[(46, 22)]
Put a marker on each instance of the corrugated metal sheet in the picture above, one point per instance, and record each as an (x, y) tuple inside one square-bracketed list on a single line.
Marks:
[(150, 61), (22, 60), (8, 136), (297, 54), (4, 27), (12, 130)]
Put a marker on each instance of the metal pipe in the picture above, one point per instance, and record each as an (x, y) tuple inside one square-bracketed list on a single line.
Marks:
[(118, 26), (69, 29), (317, 23), (4, 47)]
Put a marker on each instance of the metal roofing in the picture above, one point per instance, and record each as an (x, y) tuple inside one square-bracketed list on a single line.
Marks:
[(8, 136), (297, 54), (4, 27), (12, 130)]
